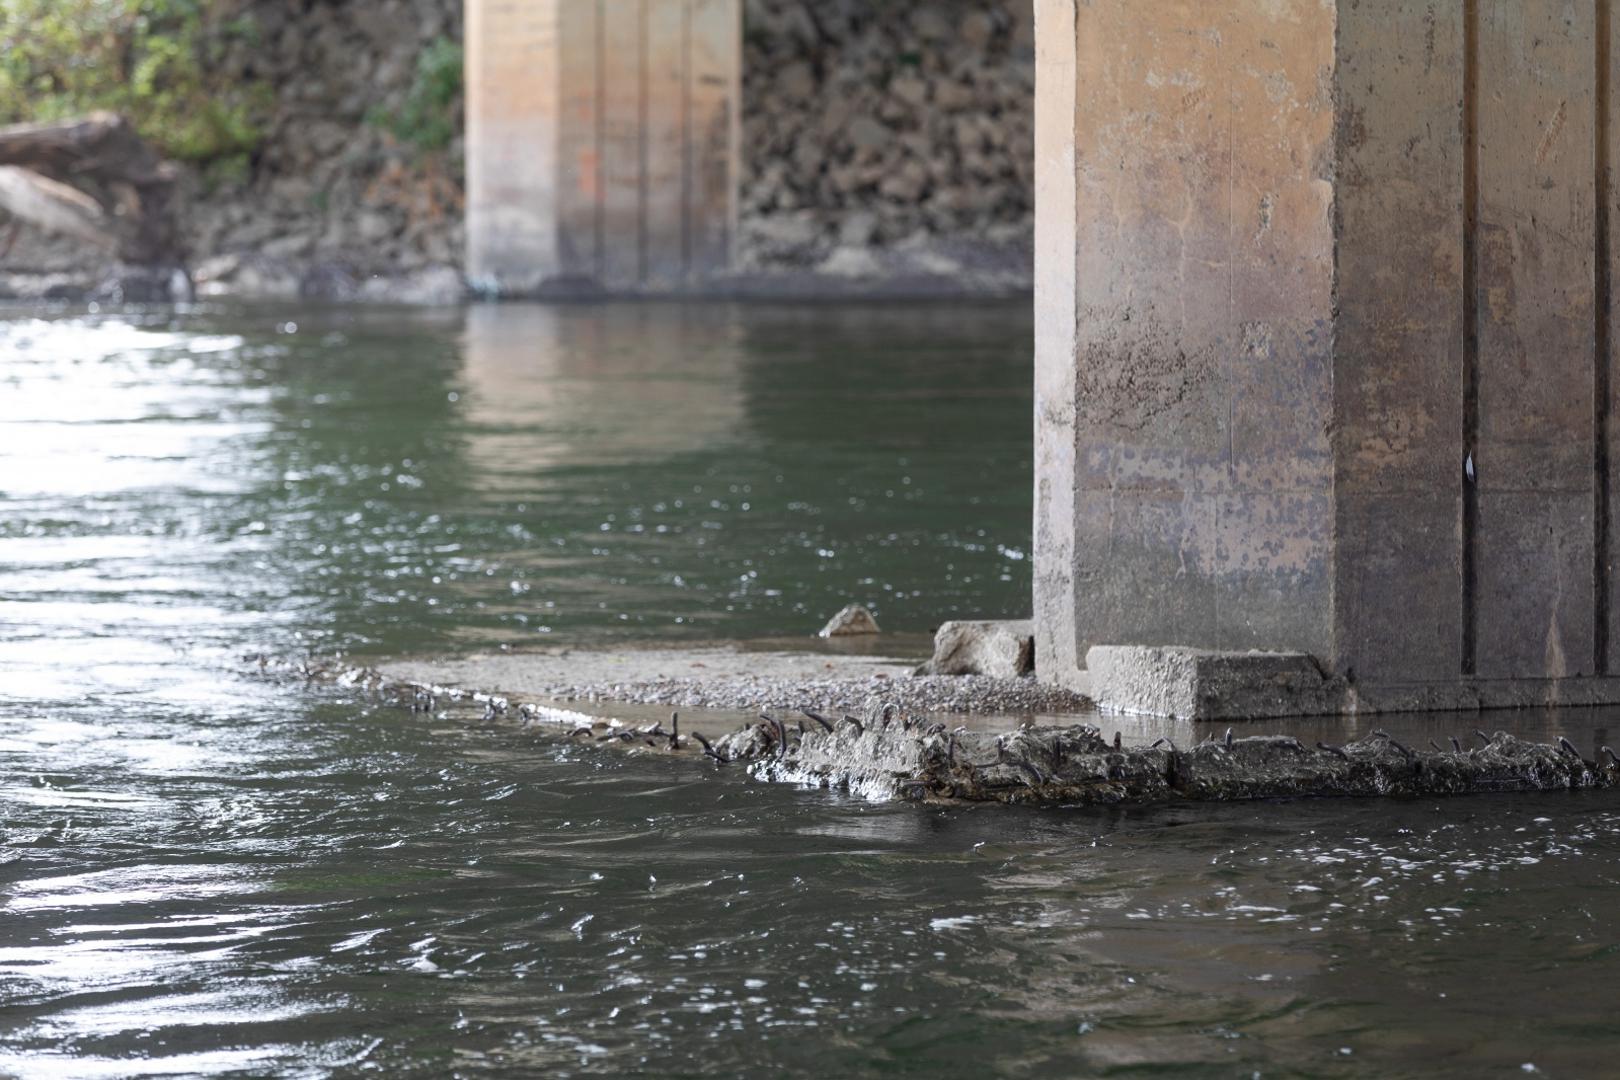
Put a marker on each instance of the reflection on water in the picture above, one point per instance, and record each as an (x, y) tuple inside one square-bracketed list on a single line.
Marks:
[(412, 480), (207, 875), (603, 381)]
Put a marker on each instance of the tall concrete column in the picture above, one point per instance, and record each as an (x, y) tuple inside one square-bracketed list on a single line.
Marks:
[(1324, 360), (602, 140)]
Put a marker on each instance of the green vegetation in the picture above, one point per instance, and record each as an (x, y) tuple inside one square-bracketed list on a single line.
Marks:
[(426, 119), (147, 59)]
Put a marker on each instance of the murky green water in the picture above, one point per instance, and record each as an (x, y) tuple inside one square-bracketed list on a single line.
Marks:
[(208, 875)]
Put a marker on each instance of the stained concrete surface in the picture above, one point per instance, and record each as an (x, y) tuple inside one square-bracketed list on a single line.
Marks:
[(1323, 349)]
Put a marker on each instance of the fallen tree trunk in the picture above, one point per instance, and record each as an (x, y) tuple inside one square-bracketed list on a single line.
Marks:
[(55, 207), (94, 178)]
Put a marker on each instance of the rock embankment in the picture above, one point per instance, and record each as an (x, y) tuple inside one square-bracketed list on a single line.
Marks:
[(890, 140), (330, 204)]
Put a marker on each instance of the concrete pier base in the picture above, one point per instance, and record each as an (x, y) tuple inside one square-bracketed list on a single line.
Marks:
[(602, 142), (1324, 347), (1196, 684)]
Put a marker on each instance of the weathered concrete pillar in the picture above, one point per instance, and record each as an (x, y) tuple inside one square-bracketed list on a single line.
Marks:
[(1324, 352), (602, 144)]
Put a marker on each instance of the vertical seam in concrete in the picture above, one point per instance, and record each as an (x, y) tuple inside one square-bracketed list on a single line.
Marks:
[(1074, 244), (1601, 305), (686, 141), (1233, 328), (641, 143), (1055, 551), (1335, 232), (1074, 653), (1470, 358), (599, 196)]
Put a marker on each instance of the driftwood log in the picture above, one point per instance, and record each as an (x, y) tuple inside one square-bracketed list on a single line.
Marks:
[(94, 178)]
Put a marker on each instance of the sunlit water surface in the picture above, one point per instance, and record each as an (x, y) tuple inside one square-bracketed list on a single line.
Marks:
[(205, 874)]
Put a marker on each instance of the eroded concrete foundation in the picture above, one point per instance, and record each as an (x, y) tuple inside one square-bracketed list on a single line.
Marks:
[(1323, 349), (1075, 766), (887, 752)]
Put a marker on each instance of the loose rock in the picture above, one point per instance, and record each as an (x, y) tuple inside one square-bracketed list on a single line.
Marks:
[(1003, 649), (852, 620)]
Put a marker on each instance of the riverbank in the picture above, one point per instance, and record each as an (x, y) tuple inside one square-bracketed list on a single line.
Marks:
[(886, 151)]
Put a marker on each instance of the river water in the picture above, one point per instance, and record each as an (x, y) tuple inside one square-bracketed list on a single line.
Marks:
[(207, 874)]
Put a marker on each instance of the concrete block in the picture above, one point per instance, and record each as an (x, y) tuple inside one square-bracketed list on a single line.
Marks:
[(1199, 684)]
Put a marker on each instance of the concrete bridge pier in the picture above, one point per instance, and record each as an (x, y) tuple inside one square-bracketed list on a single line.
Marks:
[(1324, 354), (602, 141)]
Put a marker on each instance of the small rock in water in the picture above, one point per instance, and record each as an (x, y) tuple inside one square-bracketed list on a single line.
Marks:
[(854, 619)]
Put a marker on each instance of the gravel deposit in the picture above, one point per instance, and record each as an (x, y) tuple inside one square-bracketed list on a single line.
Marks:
[(736, 680), (966, 694)]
